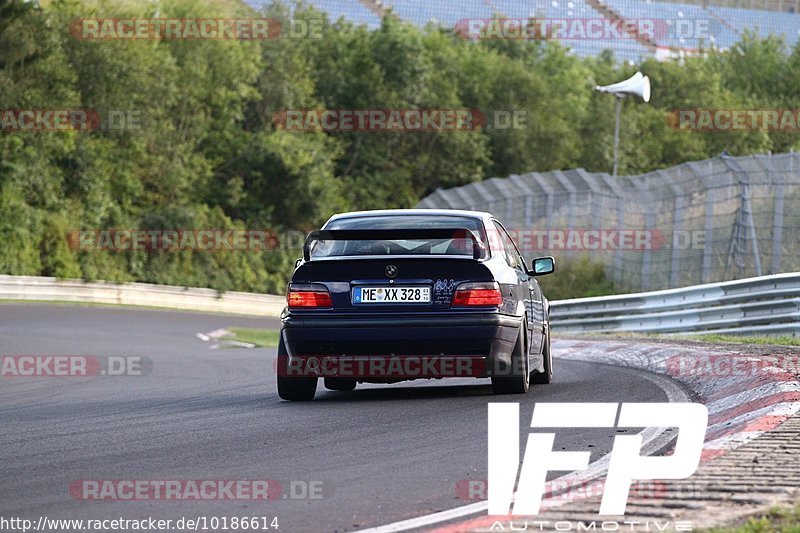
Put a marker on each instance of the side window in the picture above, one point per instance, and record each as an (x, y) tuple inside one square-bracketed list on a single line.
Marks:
[(518, 260), (509, 250)]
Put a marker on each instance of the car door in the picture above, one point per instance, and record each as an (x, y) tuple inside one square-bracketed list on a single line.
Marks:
[(532, 292)]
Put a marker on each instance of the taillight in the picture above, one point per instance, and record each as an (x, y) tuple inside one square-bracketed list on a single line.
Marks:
[(309, 297), (473, 294)]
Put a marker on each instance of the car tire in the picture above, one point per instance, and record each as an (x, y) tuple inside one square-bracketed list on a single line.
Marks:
[(297, 389), (340, 384), (519, 380), (546, 377), (293, 388)]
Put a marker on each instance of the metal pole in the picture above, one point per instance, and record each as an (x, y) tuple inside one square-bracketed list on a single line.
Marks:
[(747, 208), (616, 134), (777, 226)]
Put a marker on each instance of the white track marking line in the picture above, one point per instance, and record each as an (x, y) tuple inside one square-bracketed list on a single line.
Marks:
[(218, 335)]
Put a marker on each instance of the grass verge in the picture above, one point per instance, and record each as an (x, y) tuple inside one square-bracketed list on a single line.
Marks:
[(776, 519), (708, 337), (267, 338), (774, 341)]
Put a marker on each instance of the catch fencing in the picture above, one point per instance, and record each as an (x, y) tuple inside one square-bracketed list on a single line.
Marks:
[(700, 222)]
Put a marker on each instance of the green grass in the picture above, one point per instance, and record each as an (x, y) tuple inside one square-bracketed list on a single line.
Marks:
[(708, 337), (776, 519), (775, 341), (267, 338)]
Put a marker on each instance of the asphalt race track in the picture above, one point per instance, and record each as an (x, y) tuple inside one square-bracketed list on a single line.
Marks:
[(376, 455)]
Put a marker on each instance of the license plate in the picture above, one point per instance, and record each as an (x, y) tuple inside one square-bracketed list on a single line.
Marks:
[(391, 295)]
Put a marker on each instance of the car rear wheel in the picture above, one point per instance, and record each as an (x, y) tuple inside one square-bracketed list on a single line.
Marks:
[(518, 381), (297, 389), (543, 378), (293, 388), (340, 384)]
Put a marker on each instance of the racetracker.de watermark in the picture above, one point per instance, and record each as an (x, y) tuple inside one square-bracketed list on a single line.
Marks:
[(176, 240), (198, 489), (80, 120), (600, 239), (385, 366), (779, 366), (399, 120), (586, 29), (31, 366), (403, 120), (726, 120), (562, 490), (237, 29)]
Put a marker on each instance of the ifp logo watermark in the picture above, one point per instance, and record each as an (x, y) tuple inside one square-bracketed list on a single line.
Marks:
[(626, 464)]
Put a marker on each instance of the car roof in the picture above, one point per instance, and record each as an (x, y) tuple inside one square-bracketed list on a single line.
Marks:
[(399, 212)]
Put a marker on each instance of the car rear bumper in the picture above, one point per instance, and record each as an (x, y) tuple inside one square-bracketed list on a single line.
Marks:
[(400, 347)]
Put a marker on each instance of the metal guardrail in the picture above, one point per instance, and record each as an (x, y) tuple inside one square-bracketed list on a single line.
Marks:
[(31, 288), (766, 305)]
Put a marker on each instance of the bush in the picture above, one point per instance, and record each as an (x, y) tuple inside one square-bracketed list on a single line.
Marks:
[(577, 278)]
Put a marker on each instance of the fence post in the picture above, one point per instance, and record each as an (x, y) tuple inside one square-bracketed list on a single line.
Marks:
[(618, 252), (777, 229), (709, 228), (677, 225)]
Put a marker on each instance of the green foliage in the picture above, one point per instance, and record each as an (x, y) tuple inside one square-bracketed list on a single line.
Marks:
[(785, 520), (577, 278), (18, 228), (208, 156)]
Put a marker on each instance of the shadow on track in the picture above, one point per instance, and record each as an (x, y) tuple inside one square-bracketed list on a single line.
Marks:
[(403, 393)]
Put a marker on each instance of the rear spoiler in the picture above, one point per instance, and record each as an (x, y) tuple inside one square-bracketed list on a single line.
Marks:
[(391, 234)]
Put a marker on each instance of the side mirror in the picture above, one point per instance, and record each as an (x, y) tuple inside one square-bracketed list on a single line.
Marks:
[(298, 261), (542, 265)]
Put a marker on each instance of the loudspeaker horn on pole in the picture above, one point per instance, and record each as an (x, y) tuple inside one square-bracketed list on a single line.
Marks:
[(638, 84)]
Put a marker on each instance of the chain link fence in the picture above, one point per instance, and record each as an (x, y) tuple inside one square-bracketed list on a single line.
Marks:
[(716, 220), (792, 6)]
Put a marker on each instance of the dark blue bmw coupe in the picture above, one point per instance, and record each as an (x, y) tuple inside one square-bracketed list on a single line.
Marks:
[(386, 296)]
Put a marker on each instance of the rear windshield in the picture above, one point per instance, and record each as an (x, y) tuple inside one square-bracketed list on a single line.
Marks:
[(456, 246)]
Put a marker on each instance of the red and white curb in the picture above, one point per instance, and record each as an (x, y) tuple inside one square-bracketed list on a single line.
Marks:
[(746, 395)]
